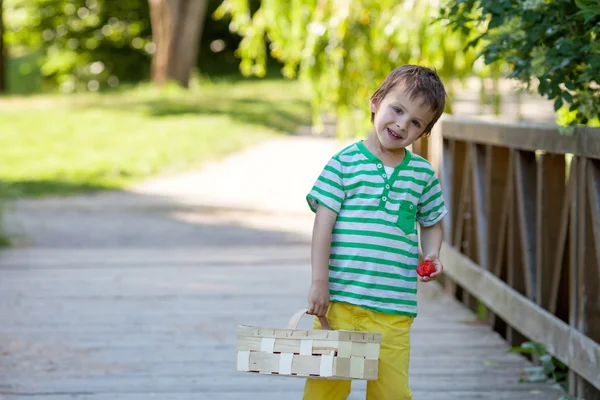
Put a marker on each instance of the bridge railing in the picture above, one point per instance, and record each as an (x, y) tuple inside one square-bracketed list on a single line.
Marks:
[(522, 238)]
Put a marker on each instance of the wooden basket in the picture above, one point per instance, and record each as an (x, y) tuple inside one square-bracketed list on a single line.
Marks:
[(324, 354)]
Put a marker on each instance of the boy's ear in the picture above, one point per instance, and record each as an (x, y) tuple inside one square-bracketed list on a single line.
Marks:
[(373, 106)]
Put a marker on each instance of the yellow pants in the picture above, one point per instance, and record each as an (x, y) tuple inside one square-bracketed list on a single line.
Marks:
[(394, 357)]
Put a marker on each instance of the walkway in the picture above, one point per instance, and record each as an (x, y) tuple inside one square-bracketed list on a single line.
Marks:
[(135, 296)]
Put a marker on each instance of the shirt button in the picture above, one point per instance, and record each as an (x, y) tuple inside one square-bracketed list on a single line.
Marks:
[(384, 175), (388, 186), (379, 165), (384, 198), (411, 207)]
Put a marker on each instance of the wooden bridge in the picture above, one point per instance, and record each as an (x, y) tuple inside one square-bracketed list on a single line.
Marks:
[(145, 322)]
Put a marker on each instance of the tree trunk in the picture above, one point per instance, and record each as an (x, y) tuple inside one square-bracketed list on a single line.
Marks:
[(2, 58), (176, 30)]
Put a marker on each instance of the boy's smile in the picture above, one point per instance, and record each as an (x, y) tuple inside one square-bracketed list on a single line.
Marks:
[(400, 120)]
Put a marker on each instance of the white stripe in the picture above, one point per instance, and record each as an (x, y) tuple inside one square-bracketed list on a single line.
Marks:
[(364, 178), (306, 347), (243, 361), (331, 176), (403, 197), (285, 363), (397, 244), (386, 294), (409, 273), (328, 189), (390, 230), (397, 282), (357, 367), (326, 367), (384, 255), (267, 345)]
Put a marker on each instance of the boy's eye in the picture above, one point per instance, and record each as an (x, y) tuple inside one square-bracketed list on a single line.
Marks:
[(417, 124), (398, 110)]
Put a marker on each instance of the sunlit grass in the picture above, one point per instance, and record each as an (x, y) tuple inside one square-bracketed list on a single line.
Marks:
[(64, 144)]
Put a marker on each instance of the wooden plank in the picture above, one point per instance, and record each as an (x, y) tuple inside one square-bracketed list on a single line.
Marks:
[(585, 142), (478, 169), (550, 200), (526, 184), (447, 179), (566, 343), (573, 294), (133, 331), (498, 176)]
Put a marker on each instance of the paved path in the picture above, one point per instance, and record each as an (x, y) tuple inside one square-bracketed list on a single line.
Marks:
[(135, 296)]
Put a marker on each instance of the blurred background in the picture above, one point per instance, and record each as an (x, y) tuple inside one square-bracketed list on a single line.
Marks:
[(98, 94)]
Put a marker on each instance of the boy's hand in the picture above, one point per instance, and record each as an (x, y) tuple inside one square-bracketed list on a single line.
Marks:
[(318, 298), (438, 270)]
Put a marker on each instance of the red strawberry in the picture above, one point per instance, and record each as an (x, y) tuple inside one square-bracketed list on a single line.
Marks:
[(426, 268)]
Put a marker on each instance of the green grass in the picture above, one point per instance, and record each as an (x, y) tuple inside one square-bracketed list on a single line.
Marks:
[(65, 144)]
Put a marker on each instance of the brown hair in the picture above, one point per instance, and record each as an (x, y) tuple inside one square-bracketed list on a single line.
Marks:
[(417, 82)]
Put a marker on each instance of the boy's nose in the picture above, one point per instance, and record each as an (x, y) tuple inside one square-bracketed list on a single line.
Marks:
[(401, 124)]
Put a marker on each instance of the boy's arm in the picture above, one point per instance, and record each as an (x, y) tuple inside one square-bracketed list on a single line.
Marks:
[(431, 243), (318, 297)]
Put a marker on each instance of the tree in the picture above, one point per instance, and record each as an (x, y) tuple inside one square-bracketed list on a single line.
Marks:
[(82, 44), (551, 44), (344, 48), (176, 29)]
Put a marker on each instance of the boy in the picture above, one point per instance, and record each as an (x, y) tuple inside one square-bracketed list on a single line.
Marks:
[(367, 201)]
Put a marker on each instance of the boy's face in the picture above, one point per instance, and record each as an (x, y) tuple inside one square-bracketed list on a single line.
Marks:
[(400, 120)]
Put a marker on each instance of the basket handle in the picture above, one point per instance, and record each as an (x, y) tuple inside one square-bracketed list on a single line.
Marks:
[(293, 322)]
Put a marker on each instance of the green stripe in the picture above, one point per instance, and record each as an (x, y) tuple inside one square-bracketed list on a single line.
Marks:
[(326, 194), (351, 153), (419, 169), (333, 171), (366, 184), (368, 246), (358, 173), (350, 207), (431, 199), (419, 182), (376, 234), (370, 208), (405, 190), (433, 210), (374, 260), (372, 196), (389, 288), (356, 163), (381, 185), (373, 298), (330, 182), (433, 184), (377, 221)]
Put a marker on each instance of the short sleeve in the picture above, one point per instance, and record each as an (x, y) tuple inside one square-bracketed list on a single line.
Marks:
[(431, 208), (328, 190)]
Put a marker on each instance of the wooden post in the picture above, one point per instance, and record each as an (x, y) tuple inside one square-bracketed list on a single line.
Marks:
[(573, 273), (550, 199), (515, 273), (588, 267)]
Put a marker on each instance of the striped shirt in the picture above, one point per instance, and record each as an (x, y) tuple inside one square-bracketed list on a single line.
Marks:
[(374, 248)]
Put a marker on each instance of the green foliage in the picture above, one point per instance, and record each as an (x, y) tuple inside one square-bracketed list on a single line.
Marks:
[(553, 44), (344, 49), (85, 44), (547, 368)]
